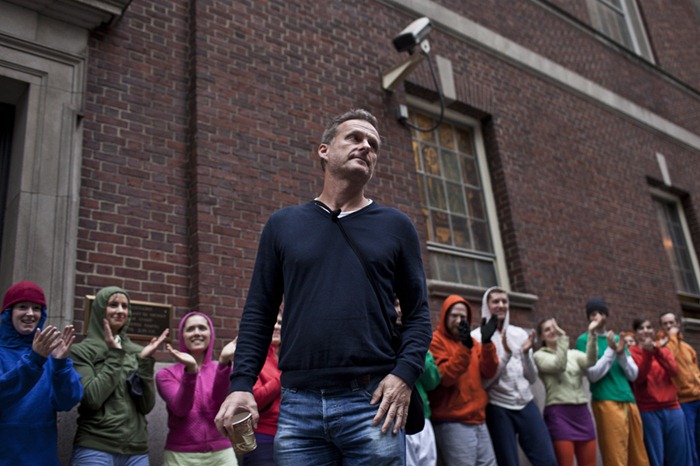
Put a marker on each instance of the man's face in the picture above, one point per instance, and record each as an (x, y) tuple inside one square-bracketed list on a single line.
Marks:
[(596, 316), (457, 314), (668, 321), (25, 317), (353, 151), (498, 304)]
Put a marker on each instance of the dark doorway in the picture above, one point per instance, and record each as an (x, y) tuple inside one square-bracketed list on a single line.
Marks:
[(7, 124)]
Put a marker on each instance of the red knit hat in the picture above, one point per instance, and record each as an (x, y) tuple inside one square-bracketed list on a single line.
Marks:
[(23, 291)]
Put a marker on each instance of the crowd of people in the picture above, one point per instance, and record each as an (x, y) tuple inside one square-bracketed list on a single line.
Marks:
[(334, 384), (476, 388), (111, 380)]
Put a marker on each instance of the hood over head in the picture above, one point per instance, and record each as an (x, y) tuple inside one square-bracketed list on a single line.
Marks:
[(446, 306), (98, 312), (181, 337), (17, 293), (486, 312)]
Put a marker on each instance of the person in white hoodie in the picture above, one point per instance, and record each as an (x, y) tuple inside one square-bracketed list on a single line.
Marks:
[(512, 416)]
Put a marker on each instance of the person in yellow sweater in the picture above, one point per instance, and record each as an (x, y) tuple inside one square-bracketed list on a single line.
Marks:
[(688, 378)]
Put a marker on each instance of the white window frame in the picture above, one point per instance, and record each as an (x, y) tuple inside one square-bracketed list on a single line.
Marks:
[(490, 203), (696, 5), (663, 195), (633, 20)]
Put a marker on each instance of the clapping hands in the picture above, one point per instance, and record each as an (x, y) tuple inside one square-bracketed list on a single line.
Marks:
[(529, 342), (465, 335), (667, 336), (227, 352), (488, 328), (618, 346), (527, 345), (50, 341), (109, 336), (560, 331), (646, 343), (65, 342), (186, 359), (597, 323), (153, 345)]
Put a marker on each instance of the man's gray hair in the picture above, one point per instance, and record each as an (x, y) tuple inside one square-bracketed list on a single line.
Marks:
[(356, 114)]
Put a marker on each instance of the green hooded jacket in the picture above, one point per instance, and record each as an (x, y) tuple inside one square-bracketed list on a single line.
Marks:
[(429, 380), (112, 419)]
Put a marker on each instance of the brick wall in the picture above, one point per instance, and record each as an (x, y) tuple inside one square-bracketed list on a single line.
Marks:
[(133, 228), (202, 118)]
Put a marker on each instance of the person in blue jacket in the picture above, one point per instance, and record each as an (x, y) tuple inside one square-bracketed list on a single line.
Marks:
[(37, 378)]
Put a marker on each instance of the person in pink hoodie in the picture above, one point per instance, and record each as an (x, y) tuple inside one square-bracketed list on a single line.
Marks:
[(193, 389)]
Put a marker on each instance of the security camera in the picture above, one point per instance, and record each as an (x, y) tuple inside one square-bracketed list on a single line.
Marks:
[(412, 35)]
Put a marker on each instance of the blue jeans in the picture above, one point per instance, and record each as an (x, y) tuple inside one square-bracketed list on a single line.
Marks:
[(692, 418), (528, 426), (666, 438), (333, 426), (88, 457)]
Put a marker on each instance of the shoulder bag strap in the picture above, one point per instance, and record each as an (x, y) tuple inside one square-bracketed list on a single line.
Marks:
[(356, 250)]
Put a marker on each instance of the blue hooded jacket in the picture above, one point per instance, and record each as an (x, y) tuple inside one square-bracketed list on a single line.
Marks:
[(32, 388)]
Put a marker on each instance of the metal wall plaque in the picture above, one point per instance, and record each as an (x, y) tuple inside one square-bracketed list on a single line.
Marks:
[(147, 319)]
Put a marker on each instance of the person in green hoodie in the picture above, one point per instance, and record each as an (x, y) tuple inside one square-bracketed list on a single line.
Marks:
[(117, 378), (421, 449)]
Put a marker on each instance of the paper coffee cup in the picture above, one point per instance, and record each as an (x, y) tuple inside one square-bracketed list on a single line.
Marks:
[(242, 436)]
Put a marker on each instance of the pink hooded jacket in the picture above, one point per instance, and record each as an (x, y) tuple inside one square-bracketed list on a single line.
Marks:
[(193, 399)]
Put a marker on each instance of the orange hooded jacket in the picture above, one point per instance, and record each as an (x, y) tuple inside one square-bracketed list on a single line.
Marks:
[(688, 378), (460, 397)]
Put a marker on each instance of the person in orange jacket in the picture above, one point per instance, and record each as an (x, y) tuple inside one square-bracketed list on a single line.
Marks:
[(458, 403), (688, 378)]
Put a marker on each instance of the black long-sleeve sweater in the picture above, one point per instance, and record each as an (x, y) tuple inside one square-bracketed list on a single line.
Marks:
[(333, 329)]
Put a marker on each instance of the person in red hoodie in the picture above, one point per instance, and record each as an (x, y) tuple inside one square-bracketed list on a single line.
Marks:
[(666, 435), (267, 391), (458, 403)]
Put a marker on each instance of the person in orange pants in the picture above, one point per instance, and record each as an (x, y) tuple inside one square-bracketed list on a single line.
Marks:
[(566, 411), (617, 418)]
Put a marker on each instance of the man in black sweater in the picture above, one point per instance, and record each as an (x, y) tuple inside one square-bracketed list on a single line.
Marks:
[(346, 382)]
